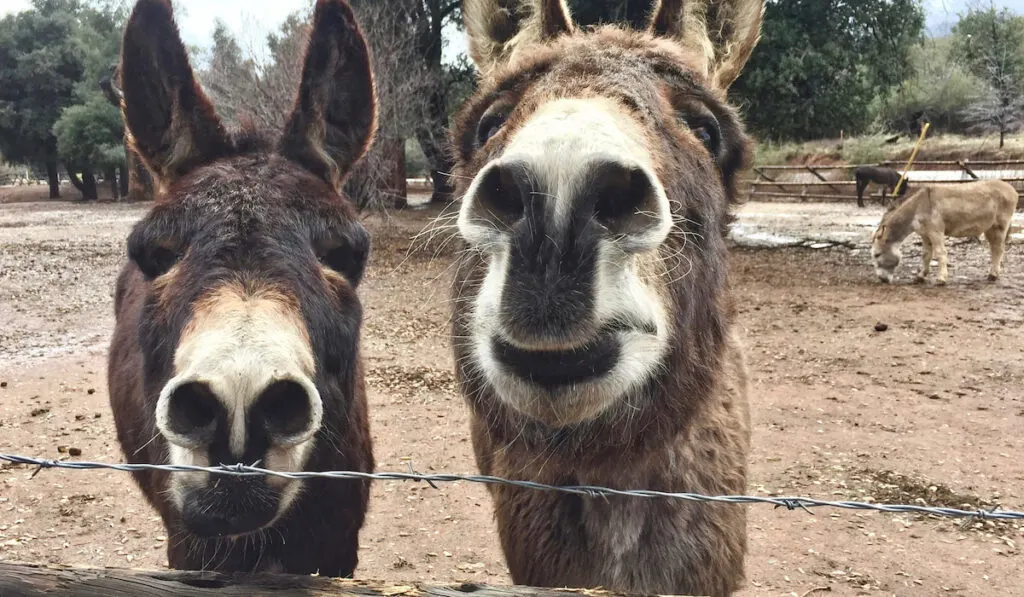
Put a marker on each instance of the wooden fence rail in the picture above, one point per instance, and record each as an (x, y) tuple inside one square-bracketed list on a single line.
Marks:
[(853, 183), (771, 183), (32, 580), (982, 164)]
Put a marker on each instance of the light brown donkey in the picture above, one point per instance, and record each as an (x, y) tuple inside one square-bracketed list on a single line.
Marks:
[(593, 320), (937, 211)]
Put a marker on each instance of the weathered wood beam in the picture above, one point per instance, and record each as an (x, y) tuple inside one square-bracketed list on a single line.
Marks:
[(923, 164), (851, 183), (806, 183), (33, 580), (800, 196), (822, 178), (964, 167), (761, 174)]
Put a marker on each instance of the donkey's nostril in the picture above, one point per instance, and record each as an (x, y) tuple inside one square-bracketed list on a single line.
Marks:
[(192, 412), (285, 409), (502, 193), (623, 197)]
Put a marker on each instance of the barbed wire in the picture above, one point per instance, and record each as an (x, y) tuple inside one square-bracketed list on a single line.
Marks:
[(790, 503)]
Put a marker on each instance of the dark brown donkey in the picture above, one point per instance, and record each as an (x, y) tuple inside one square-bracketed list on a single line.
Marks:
[(237, 337), (594, 326), (887, 177)]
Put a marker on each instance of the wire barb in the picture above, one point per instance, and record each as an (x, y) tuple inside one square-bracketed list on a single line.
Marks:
[(591, 491)]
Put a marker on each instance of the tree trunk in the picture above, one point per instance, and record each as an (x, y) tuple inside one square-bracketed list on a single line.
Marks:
[(122, 179), (73, 177), (432, 137), (397, 185), (111, 175), (140, 184), (433, 134), (1002, 137), (53, 179), (89, 185)]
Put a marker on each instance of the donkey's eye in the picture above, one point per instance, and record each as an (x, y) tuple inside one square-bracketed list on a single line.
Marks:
[(708, 133), (704, 126), (703, 134), (346, 252), (155, 260), (347, 261), (489, 126)]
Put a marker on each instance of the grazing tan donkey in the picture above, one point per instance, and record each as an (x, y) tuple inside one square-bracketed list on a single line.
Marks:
[(936, 211), (237, 336), (593, 324)]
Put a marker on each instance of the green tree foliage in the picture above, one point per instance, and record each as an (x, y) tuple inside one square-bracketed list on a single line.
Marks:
[(940, 89), (90, 133), (42, 63), (460, 83), (991, 44), (51, 107), (822, 63)]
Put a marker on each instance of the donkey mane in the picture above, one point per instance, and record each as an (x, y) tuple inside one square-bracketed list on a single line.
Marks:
[(248, 139)]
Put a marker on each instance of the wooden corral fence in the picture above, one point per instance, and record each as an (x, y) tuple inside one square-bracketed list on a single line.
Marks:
[(32, 580), (835, 182)]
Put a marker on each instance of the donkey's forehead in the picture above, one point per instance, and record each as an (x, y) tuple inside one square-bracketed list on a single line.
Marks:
[(607, 57), (255, 183)]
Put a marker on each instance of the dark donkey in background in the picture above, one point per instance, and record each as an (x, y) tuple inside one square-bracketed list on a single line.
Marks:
[(237, 337), (887, 177)]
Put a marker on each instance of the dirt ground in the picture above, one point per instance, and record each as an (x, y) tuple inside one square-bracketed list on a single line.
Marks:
[(41, 192), (929, 411)]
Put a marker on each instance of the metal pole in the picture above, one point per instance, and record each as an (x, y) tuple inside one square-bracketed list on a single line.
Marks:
[(910, 162)]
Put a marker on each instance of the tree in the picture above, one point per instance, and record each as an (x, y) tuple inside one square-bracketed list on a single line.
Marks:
[(991, 44), (257, 93), (261, 93), (231, 79), (821, 64), (42, 63), (405, 91), (428, 19), (89, 137), (90, 134), (634, 13), (939, 88), (136, 183)]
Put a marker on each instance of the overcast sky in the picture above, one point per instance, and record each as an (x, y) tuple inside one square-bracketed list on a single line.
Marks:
[(251, 20)]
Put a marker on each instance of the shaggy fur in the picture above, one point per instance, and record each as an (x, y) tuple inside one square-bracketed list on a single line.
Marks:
[(936, 211), (687, 427), (240, 219)]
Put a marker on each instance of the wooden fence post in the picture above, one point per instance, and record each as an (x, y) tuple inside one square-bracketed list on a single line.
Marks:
[(32, 580)]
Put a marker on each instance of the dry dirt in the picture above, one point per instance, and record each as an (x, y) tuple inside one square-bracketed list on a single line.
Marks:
[(928, 411)]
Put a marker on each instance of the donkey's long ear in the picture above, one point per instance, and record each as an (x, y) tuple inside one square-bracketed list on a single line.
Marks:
[(499, 28), (722, 32), (335, 114), (171, 124)]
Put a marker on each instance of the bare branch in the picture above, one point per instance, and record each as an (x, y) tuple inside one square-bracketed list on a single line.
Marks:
[(261, 92)]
